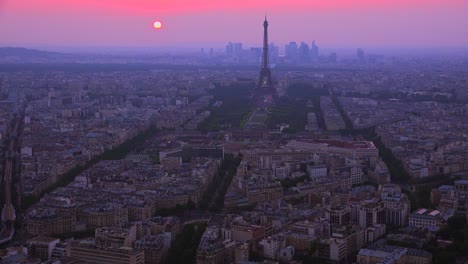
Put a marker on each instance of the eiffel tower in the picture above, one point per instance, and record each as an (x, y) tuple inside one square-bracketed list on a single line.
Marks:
[(265, 90)]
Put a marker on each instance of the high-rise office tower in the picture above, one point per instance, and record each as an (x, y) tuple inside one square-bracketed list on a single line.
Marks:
[(274, 53), (304, 53), (314, 52), (291, 52), (237, 51), (229, 49)]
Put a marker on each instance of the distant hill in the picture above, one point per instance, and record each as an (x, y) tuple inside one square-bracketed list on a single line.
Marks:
[(27, 53)]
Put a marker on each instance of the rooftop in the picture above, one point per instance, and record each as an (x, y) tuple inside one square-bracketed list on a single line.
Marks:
[(428, 212)]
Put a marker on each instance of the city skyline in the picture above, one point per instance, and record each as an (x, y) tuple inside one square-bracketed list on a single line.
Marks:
[(335, 23), (167, 131)]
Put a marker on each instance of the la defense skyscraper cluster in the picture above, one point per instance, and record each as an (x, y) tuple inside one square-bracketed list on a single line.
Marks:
[(265, 92)]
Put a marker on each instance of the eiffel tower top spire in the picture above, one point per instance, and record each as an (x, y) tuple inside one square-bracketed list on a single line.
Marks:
[(265, 57)]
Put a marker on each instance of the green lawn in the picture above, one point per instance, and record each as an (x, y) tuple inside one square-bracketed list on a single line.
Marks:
[(292, 109), (235, 108)]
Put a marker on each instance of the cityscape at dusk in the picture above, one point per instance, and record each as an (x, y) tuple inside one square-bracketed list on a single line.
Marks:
[(233, 132)]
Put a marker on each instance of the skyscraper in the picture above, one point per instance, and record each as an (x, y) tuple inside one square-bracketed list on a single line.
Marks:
[(237, 52), (314, 52), (291, 52), (304, 53), (234, 51), (229, 49), (274, 53)]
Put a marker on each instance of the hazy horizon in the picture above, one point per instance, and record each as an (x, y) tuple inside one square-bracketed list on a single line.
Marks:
[(191, 48)]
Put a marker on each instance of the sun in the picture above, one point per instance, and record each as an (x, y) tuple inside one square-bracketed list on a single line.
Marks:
[(157, 24)]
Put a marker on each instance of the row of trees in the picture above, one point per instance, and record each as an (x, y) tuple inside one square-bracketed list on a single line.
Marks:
[(116, 153), (456, 231), (213, 198), (347, 121), (395, 166), (184, 247), (292, 182)]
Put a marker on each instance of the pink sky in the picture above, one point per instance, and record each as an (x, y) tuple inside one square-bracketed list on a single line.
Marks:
[(330, 22)]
